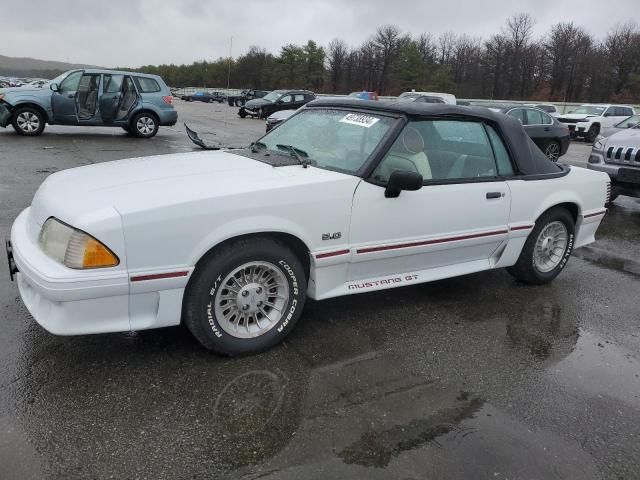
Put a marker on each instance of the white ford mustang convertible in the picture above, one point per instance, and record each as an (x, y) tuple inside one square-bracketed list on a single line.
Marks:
[(347, 196)]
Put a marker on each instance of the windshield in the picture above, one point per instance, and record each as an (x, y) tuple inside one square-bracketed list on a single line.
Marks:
[(408, 97), (61, 77), (332, 139), (589, 110), (273, 96), (629, 122)]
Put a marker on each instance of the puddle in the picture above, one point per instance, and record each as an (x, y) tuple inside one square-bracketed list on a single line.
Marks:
[(599, 367), (602, 257)]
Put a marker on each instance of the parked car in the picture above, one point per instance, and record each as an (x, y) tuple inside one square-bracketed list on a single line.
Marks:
[(277, 118), (618, 156), (545, 107), (629, 122), (551, 136), (427, 97), (587, 120), (244, 97), (139, 103), (274, 101), (37, 83), (207, 97), (347, 196), (364, 95), (421, 99)]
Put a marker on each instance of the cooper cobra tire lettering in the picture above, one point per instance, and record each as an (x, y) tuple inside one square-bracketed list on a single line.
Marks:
[(210, 318)]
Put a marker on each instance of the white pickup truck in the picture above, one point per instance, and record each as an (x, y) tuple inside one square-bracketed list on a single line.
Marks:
[(587, 120)]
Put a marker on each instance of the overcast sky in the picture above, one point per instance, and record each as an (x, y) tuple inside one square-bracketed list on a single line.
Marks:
[(138, 32)]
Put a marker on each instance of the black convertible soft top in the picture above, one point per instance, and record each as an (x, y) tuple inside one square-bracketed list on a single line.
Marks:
[(528, 157)]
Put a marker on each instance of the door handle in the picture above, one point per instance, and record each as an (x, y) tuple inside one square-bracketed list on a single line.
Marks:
[(491, 195), (546, 129)]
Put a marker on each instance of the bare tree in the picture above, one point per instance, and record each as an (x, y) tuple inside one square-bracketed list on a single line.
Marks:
[(337, 54), (387, 42)]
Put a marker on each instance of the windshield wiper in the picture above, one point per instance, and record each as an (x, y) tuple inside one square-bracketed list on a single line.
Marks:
[(257, 146), (300, 155)]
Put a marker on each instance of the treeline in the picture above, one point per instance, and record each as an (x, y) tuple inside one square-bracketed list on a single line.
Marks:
[(567, 64)]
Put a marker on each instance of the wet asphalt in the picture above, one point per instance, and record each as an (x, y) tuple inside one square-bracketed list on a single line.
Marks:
[(474, 377)]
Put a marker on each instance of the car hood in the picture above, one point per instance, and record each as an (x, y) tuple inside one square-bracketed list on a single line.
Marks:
[(257, 103), (151, 183), (281, 115), (14, 92), (629, 137), (576, 116)]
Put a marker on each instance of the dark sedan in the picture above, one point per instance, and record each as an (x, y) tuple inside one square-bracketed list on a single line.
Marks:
[(204, 97), (276, 101), (551, 136)]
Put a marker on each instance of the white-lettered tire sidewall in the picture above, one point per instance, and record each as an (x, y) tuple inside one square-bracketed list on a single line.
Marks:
[(565, 258), (210, 280)]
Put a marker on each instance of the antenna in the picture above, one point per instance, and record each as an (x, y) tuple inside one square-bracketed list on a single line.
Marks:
[(226, 114)]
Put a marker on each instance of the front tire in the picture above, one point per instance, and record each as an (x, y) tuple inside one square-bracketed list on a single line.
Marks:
[(28, 121), (547, 249), (144, 125), (592, 133), (245, 297)]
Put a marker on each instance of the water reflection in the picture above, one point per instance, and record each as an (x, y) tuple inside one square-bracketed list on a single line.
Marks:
[(542, 330)]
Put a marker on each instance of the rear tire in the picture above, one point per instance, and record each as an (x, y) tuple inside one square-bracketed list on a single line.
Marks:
[(28, 121), (245, 297), (545, 253), (144, 125), (552, 150)]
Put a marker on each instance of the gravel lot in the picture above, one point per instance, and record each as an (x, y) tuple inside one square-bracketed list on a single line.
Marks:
[(473, 377)]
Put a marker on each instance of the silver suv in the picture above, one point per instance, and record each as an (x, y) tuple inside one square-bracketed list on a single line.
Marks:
[(619, 156)]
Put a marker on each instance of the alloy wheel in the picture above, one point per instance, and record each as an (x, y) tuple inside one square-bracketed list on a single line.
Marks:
[(251, 299), (28, 122), (145, 125), (550, 246), (552, 151)]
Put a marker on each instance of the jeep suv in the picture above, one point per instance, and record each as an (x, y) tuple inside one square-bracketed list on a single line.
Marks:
[(137, 102), (587, 120), (619, 156)]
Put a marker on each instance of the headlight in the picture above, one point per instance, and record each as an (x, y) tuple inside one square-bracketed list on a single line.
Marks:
[(74, 248), (599, 143)]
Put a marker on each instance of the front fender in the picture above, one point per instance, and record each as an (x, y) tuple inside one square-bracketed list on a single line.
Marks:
[(247, 226)]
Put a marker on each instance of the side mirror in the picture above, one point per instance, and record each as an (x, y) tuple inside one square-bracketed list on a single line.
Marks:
[(402, 180), (607, 114), (54, 87)]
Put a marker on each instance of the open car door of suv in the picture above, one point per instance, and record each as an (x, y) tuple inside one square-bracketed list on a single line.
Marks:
[(119, 98)]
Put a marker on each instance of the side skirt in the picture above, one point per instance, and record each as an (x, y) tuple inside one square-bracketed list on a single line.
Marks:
[(407, 278)]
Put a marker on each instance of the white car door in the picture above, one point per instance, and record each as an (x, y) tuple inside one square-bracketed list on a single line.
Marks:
[(459, 216), (612, 116)]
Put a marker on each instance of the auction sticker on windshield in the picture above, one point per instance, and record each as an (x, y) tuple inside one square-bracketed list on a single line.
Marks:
[(359, 119)]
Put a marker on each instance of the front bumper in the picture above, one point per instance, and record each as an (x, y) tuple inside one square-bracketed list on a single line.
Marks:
[(577, 130), (5, 115), (77, 302), (62, 300)]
